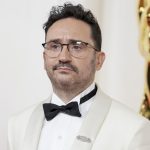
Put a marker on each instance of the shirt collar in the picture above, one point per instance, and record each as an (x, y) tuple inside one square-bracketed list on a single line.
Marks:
[(56, 100)]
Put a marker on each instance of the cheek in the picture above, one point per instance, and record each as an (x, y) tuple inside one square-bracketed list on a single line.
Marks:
[(87, 68), (48, 65), (47, 62)]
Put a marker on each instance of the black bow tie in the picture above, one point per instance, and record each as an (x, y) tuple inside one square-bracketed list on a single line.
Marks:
[(51, 110)]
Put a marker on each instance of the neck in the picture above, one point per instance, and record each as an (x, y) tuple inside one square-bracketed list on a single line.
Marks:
[(67, 94)]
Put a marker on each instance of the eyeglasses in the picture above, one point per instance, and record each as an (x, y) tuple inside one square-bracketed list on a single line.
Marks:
[(77, 49)]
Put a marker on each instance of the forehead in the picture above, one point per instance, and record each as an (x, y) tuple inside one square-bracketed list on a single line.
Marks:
[(69, 28)]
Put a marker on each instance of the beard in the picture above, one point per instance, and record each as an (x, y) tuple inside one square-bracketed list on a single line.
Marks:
[(63, 81), (75, 80)]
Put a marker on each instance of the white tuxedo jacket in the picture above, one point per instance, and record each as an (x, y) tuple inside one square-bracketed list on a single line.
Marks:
[(108, 126)]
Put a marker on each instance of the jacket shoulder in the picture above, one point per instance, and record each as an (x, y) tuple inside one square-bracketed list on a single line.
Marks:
[(123, 127), (17, 125)]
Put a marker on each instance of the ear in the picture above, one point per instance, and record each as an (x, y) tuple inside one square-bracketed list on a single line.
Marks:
[(100, 57), (44, 57)]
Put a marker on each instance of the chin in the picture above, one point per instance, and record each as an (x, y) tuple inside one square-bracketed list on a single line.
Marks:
[(64, 83)]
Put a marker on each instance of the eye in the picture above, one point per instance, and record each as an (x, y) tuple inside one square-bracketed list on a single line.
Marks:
[(77, 46), (54, 46)]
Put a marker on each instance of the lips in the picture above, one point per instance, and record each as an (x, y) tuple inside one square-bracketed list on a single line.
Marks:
[(64, 69)]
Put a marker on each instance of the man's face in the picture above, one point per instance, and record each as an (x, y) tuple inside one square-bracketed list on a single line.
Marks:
[(75, 72)]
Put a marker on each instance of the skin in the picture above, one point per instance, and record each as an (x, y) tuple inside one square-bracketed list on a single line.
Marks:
[(76, 74)]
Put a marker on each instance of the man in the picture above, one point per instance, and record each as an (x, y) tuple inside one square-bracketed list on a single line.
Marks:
[(77, 115)]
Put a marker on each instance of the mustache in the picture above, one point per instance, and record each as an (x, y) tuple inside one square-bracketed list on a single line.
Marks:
[(68, 65)]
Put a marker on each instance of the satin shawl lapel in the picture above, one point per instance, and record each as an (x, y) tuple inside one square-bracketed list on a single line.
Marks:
[(92, 123), (34, 128)]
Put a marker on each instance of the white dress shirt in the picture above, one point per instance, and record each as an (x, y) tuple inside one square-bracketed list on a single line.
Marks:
[(60, 132)]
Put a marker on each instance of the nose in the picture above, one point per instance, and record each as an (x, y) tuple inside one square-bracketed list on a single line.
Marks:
[(64, 55)]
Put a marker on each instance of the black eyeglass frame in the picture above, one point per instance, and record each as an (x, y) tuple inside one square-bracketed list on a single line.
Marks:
[(62, 45)]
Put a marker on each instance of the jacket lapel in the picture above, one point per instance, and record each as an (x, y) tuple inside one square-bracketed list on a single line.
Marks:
[(87, 133), (92, 123), (33, 131)]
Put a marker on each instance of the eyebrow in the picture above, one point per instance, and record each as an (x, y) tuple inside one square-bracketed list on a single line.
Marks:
[(69, 41)]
